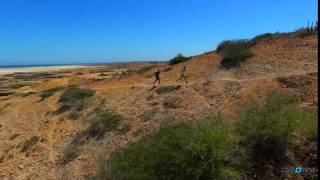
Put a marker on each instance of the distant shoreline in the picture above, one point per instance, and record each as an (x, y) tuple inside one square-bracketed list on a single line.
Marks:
[(40, 68), (79, 64)]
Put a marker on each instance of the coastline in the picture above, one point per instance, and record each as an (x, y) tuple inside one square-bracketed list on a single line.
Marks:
[(11, 70)]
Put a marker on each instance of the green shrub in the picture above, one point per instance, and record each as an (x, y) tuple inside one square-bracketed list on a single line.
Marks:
[(171, 102), (28, 144), (149, 114), (234, 52), (48, 93), (178, 59), (75, 94), (199, 150), (167, 89), (74, 98), (102, 121), (103, 74), (17, 85), (72, 149), (258, 38), (145, 69), (27, 94), (303, 32), (268, 130)]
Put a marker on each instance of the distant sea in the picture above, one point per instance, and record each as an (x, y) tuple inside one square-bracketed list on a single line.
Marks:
[(42, 65), (78, 64)]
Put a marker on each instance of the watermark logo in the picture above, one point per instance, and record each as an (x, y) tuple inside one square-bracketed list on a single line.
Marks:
[(298, 170)]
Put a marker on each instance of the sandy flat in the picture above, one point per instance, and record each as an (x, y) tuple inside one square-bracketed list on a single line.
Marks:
[(38, 69)]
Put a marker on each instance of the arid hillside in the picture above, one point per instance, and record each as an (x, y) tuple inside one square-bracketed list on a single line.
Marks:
[(44, 137)]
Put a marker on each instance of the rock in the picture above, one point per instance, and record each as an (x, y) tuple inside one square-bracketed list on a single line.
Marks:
[(21, 167), (43, 140)]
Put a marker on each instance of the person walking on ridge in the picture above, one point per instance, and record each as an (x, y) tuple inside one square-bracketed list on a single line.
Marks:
[(183, 74), (157, 76)]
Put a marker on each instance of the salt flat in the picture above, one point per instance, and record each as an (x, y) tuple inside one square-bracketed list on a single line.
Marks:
[(37, 69)]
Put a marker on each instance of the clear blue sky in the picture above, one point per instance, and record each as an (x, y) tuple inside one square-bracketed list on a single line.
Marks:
[(89, 31)]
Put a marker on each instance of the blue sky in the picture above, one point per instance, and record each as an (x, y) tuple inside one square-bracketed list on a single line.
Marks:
[(90, 31)]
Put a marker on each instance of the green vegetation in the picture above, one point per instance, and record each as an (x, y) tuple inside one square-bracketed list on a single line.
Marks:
[(303, 32), (258, 38), (171, 102), (149, 114), (103, 74), (234, 52), (74, 98), (48, 93), (17, 85), (27, 94), (210, 148), (178, 59), (146, 69), (198, 150), (28, 144), (100, 122), (167, 89), (269, 129), (307, 31)]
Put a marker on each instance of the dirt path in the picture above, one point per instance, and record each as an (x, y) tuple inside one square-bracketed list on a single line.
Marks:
[(212, 80)]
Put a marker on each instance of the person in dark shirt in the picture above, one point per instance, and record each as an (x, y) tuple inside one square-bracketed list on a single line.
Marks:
[(157, 76)]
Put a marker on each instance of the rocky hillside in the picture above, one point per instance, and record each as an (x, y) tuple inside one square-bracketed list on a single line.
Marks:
[(40, 142)]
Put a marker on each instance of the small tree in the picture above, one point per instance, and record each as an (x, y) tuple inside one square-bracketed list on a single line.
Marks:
[(178, 59)]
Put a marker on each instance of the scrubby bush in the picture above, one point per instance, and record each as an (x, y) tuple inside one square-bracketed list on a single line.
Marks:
[(149, 114), (49, 92), (303, 32), (171, 102), (307, 31), (17, 85), (28, 144), (268, 130), (167, 89), (75, 94), (27, 94), (234, 52), (102, 121), (145, 69), (178, 59), (74, 98), (198, 150), (103, 74), (258, 38), (99, 122)]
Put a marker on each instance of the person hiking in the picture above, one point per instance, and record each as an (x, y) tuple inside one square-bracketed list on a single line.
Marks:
[(183, 74), (157, 76)]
